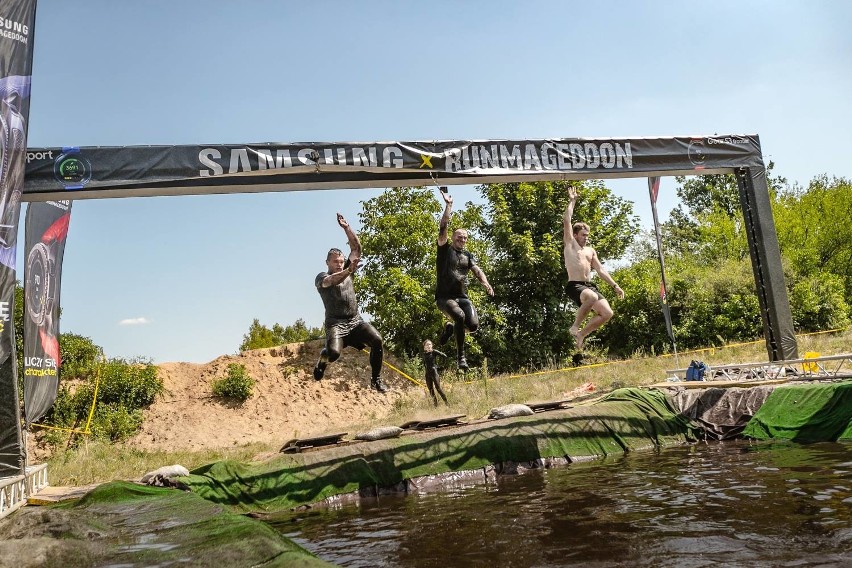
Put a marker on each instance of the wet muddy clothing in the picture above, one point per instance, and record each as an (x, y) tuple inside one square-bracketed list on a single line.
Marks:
[(341, 306), (343, 324), (576, 287), (433, 380), (453, 266)]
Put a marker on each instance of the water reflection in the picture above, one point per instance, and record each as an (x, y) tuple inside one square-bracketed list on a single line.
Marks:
[(730, 503)]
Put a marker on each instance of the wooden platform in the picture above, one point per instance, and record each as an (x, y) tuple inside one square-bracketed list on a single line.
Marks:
[(453, 420), (299, 444), (548, 405)]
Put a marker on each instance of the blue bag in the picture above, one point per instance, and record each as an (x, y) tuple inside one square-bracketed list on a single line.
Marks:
[(695, 371)]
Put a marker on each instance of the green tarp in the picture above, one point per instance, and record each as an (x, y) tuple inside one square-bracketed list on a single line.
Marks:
[(125, 524), (627, 419), (805, 413)]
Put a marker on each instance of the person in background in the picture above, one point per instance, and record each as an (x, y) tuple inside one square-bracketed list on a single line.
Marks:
[(433, 380)]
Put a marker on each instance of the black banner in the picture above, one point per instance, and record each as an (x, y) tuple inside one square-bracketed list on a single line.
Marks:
[(654, 190), (16, 40), (46, 231), (127, 171)]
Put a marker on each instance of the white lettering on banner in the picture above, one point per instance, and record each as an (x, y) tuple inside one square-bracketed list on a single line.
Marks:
[(510, 159), (452, 162), (386, 157), (206, 157), (4, 311), (488, 156), (531, 161), (265, 161), (306, 156), (361, 158), (47, 362), (548, 156), (239, 161), (39, 156), (593, 158)]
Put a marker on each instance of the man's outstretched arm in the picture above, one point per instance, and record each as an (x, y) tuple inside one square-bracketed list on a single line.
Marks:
[(480, 275), (598, 267), (354, 241), (445, 218), (567, 222)]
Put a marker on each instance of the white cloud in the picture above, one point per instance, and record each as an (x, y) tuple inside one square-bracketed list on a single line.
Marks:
[(134, 321)]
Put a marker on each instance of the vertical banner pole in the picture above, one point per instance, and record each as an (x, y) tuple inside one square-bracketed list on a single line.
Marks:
[(654, 189)]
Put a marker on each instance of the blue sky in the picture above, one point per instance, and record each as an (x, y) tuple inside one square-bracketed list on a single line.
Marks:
[(181, 278)]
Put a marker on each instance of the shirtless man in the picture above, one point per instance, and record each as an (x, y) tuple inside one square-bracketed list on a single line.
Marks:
[(580, 260)]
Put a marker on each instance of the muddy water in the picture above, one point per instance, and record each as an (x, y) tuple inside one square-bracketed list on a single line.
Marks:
[(720, 504)]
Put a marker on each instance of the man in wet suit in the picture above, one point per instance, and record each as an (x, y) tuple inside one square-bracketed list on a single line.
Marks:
[(343, 325), (453, 263), (433, 380), (580, 260)]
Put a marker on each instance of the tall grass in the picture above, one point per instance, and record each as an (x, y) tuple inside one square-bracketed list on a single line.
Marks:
[(472, 395)]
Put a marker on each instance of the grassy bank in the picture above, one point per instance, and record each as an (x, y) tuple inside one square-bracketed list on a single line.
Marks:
[(473, 395)]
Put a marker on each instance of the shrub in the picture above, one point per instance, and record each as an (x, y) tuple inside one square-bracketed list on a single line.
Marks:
[(237, 384), (115, 423)]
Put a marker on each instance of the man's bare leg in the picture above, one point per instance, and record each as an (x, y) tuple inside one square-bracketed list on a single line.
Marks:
[(588, 299), (603, 313)]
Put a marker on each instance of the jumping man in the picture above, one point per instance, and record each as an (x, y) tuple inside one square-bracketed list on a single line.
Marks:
[(453, 263), (343, 325), (580, 260)]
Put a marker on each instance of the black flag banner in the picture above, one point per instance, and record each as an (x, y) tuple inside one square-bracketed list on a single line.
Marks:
[(654, 190), (134, 171), (46, 230), (16, 61)]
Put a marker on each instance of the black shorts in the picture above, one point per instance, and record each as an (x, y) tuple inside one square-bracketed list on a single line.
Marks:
[(576, 287)]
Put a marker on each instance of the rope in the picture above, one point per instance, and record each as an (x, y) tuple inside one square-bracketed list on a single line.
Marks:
[(385, 363)]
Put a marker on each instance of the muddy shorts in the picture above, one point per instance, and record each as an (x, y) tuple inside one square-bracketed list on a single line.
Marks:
[(576, 287)]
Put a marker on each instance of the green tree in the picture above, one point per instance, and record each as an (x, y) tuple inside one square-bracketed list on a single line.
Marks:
[(814, 231), (259, 336), (525, 235), (399, 231)]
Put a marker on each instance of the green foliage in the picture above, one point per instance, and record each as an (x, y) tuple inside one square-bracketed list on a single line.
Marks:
[(79, 355), (115, 423), (237, 384), (814, 231), (259, 336), (124, 388), (525, 234), (817, 302), (399, 231)]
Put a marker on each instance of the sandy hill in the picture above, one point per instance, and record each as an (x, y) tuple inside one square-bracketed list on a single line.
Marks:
[(287, 402)]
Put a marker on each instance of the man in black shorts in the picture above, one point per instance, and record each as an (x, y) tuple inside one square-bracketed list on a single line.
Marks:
[(454, 262), (580, 260), (343, 325)]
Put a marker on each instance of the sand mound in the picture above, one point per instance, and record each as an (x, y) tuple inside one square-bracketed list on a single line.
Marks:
[(287, 402)]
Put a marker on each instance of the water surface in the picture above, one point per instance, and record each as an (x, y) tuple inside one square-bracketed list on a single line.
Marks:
[(730, 504)]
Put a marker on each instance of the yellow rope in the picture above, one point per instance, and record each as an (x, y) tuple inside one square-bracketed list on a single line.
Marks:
[(415, 381), (86, 432), (730, 345), (95, 395)]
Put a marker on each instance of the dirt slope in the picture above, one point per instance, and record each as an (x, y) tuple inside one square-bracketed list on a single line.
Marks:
[(287, 401)]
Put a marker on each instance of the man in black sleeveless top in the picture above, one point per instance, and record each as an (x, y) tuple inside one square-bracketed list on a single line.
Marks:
[(453, 263), (343, 325)]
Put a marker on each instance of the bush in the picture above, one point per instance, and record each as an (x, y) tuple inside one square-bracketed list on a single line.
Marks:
[(79, 355), (237, 384), (115, 423)]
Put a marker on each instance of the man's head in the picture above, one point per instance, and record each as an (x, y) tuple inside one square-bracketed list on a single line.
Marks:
[(581, 233), (427, 346), (459, 239), (335, 260)]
